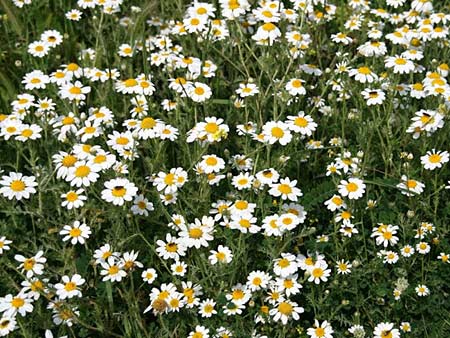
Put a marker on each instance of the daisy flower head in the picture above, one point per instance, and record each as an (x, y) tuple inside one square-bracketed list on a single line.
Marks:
[(222, 255), (19, 304), (119, 190), (443, 257), (76, 233), (171, 248), (400, 65), (7, 325), (112, 270), (423, 248), (29, 132), (286, 265), (267, 34), (286, 310), (335, 203), (373, 96), (320, 330), (295, 87), (141, 206), (149, 275), (407, 251), (17, 186), (52, 37), (103, 253), (302, 123), (286, 189), (129, 261), (353, 188), (4, 244), (73, 199), (384, 330), (82, 173), (363, 74), (179, 268), (199, 332), (199, 233), (410, 187), (247, 89), (199, 92), (211, 164), (434, 159), (74, 91), (343, 267), (242, 181), (277, 132), (385, 234), (268, 176), (319, 272), (257, 280), (35, 80), (33, 265), (38, 48), (389, 257), (68, 288), (206, 308)]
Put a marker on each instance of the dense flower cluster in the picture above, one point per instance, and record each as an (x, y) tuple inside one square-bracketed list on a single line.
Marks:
[(178, 171)]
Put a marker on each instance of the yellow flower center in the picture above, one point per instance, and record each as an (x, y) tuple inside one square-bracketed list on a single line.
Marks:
[(169, 179), (72, 67), (37, 285), (268, 27), (68, 161), (70, 286), (130, 83), (75, 232), (211, 161), (386, 334), (277, 132), (27, 133), (119, 191), (211, 127), (387, 235), (238, 294), (297, 83), (75, 90), (320, 332), (364, 70), (283, 263), (435, 158), (195, 233), (113, 270), (17, 302), (337, 200), (220, 256), (171, 247), (317, 272), (148, 123), (28, 264), (89, 130), (284, 189), (82, 171), (301, 122), (199, 91), (285, 308), (352, 187), (411, 184), (17, 185)]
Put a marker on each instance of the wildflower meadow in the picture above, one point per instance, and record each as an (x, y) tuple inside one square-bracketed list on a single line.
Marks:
[(224, 168)]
